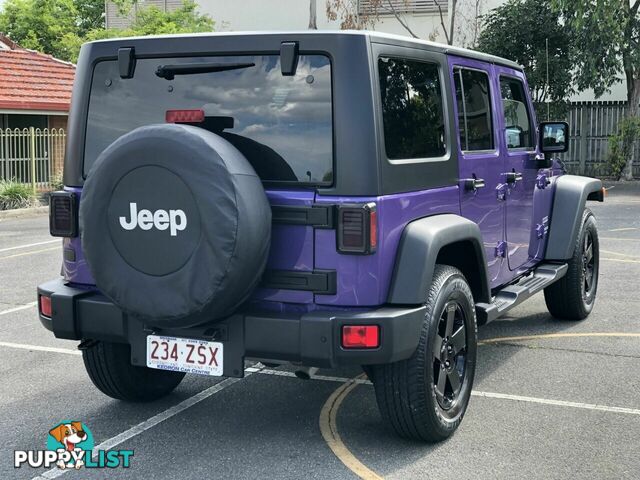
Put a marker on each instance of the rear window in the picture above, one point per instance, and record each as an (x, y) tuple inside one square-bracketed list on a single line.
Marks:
[(282, 124)]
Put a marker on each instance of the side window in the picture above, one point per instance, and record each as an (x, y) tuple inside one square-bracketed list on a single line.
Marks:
[(474, 110), (518, 132), (412, 108)]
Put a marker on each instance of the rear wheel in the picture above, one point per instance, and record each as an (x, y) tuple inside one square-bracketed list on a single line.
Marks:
[(109, 367), (573, 296), (425, 397)]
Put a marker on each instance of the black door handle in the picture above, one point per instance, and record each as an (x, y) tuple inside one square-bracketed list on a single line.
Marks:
[(474, 183), (513, 177)]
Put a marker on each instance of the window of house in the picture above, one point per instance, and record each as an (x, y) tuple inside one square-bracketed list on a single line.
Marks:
[(412, 109), (474, 110), (26, 121), (391, 7), (518, 131)]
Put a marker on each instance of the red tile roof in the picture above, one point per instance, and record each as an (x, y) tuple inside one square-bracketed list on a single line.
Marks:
[(31, 80)]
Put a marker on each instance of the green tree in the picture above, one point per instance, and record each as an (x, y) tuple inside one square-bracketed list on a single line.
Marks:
[(506, 35), (148, 21), (60, 27), (606, 34), (41, 24), (152, 20), (90, 15)]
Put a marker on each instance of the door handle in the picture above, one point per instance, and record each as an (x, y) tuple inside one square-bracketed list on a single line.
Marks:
[(474, 184), (513, 177)]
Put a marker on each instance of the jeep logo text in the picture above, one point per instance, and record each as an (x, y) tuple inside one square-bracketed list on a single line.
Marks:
[(174, 220)]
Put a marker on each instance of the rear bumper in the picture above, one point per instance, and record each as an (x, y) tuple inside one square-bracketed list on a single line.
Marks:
[(311, 338)]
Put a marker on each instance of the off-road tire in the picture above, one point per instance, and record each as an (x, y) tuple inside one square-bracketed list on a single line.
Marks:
[(572, 297), (109, 367), (406, 390)]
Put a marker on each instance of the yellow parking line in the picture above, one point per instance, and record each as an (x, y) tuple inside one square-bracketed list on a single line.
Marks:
[(329, 430), (619, 254), (623, 260), (623, 239), (30, 253), (329, 413)]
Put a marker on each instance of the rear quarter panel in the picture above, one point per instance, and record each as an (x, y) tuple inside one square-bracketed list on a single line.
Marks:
[(364, 280)]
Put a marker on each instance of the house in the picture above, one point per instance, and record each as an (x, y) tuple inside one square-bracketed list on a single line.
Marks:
[(113, 18), (422, 17), (35, 89), (35, 94)]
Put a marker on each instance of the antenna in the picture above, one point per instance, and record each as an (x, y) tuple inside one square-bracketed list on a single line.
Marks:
[(548, 86)]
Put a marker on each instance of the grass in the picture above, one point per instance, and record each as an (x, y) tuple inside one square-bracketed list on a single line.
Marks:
[(16, 195)]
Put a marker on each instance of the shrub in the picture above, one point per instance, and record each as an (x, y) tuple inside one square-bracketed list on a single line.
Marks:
[(15, 195), (621, 145), (56, 182)]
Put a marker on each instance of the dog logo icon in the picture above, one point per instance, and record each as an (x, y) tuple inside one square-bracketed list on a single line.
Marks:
[(70, 445), (74, 438)]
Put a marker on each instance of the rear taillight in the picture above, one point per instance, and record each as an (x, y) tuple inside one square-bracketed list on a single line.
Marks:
[(184, 116), (360, 336), (63, 214), (45, 305), (357, 228)]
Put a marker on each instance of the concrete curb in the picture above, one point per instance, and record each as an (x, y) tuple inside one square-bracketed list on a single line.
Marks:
[(23, 212)]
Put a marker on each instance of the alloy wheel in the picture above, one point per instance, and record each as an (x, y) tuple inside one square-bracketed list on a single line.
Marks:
[(588, 267), (449, 355)]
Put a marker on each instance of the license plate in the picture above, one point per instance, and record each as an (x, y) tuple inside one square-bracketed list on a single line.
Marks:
[(185, 355)]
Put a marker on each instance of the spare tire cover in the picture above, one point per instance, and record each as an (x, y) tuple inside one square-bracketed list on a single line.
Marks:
[(175, 225)]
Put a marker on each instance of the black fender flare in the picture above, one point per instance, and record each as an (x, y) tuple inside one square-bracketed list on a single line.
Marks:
[(422, 242), (571, 195)]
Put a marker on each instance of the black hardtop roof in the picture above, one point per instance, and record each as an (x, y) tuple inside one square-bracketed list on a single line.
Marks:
[(372, 36)]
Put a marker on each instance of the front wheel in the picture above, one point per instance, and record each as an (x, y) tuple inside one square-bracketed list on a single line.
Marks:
[(425, 397), (109, 367), (573, 296)]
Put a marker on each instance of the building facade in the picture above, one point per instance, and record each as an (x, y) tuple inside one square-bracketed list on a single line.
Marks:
[(35, 95), (422, 17), (35, 89)]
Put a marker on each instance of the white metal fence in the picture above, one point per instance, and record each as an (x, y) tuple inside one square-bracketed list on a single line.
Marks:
[(33, 156), (590, 125)]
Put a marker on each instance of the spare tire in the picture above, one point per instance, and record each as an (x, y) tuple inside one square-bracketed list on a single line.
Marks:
[(175, 225)]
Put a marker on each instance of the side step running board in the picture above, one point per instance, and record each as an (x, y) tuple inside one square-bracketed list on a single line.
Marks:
[(513, 295)]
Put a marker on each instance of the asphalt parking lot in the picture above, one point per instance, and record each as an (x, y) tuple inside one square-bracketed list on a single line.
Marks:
[(560, 400)]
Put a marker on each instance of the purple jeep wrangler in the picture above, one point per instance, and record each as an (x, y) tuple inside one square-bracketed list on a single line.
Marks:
[(324, 199)]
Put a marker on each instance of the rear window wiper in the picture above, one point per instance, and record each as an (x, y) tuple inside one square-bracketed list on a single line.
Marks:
[(170, 71)]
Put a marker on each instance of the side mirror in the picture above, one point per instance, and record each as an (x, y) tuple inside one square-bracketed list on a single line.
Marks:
[(554, 137)]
